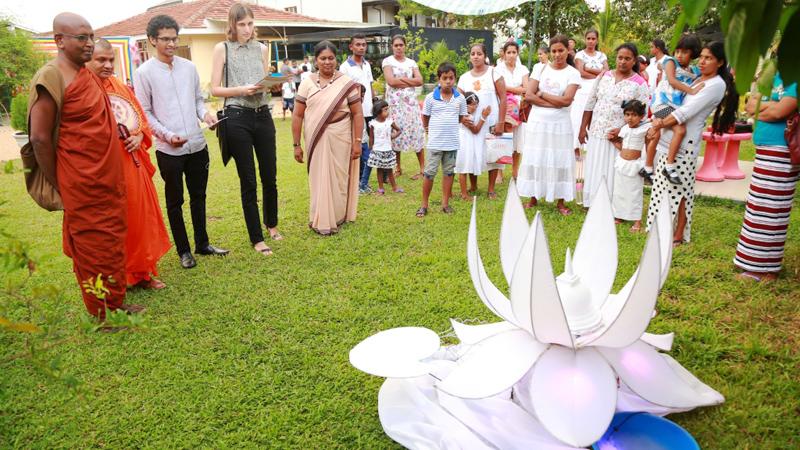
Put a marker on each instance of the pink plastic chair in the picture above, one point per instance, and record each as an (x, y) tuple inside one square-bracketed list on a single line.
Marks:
[(715, 147), (729, 165)]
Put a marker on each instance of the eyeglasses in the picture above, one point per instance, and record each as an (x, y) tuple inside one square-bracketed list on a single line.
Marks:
[(169, 40), (82, 38)]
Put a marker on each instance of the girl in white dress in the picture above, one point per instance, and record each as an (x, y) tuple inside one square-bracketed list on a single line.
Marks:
[(516, 78), (382, 130), (627, 197), (548, 162), (469, 159), (490, 88), (590, 62)]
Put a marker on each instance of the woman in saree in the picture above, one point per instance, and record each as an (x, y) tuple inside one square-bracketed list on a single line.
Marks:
[(328, 111)]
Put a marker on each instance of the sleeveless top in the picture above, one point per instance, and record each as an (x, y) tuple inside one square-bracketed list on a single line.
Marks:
[(245, 66)]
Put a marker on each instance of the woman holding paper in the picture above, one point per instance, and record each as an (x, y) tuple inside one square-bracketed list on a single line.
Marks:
[(249, 124)]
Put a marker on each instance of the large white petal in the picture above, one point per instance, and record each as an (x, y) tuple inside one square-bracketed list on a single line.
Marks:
[(626, 318), (502, 423), (472, 334), (493, 365), (659, 341), (534, 294), (512, 231), (574, 394), (495, 300), (396, 353), (595, 258), (658, 378), (664, 221)]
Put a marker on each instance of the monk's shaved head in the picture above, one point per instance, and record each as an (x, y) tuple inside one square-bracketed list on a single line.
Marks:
[(68, 22), (102, 45)]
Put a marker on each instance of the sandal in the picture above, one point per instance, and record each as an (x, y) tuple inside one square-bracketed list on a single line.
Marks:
[(399, 191), (380, 191), (636, 228), (564, 211), (266, 251), (417, 176), (277, 236), (448, 209), (422, 212), (677, 243), (492, 195), (757, 277), (466, 198)]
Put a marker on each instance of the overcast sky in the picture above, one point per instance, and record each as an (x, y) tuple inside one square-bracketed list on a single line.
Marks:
[(38, 14)]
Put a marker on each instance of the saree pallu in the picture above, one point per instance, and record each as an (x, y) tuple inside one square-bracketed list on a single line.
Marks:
[(328, 134)]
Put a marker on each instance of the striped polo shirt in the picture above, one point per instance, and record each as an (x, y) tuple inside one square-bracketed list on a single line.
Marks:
[(444, 118)]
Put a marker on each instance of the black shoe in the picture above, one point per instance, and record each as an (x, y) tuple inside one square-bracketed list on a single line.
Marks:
[(211, 250), (672, 175), (187, 260), (648, 177)]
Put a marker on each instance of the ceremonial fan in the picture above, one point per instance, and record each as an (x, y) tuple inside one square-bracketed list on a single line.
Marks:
[(128, 120)]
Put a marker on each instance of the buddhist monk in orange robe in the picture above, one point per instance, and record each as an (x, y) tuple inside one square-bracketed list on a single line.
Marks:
[(74, 138), (147, 240)]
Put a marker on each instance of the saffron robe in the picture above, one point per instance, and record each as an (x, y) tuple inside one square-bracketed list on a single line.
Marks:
[(147, 240), (92, 185)]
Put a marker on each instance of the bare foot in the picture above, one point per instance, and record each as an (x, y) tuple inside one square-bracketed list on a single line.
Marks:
[(617, 221), (531, 204)]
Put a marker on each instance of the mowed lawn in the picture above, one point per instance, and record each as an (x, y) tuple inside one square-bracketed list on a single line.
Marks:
[(252, 351)]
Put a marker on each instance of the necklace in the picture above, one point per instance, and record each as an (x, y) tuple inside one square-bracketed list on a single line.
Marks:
[(328, 81)]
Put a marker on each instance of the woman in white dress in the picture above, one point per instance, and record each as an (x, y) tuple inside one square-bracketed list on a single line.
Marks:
[(590, 62), (603, 116), (548, 162), (402, 77), (490, 88), (516, 78)]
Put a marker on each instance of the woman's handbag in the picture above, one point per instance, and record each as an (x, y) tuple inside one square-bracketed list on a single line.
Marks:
[(221, 125), (792, 135)]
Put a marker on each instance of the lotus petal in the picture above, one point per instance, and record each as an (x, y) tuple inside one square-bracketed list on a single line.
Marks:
[(659, 341), (574, 394), (396, 353), (493, 365), (472, 334), (626, 319), (514, 226), (534, 294), (658, 378), (595, 258), (664, 222), (495, 300)]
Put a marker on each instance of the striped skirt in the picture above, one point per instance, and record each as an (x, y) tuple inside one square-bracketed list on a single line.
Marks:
[(766, 216)]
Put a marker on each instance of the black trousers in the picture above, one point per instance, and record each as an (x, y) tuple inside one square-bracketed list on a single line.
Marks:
[(250, 129), (195, 167)]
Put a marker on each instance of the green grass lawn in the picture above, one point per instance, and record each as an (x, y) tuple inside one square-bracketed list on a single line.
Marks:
[(252, 351)]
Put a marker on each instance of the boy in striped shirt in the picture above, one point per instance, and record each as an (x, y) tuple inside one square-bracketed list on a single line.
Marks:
[(444, 109)]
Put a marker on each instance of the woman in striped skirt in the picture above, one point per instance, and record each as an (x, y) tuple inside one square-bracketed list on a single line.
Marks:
[(759, 252)]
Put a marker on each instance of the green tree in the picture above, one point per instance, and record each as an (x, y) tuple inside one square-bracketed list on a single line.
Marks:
[(18, 61)]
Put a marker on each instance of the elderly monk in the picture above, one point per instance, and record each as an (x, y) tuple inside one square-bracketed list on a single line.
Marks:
[(74, 138), (147, 240)]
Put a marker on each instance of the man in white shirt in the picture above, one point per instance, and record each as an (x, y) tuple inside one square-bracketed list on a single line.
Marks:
[(358, 68)]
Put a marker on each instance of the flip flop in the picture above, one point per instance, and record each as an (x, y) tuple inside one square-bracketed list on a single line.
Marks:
[(264, 251), (757, 277), (422, 212), (492, 195), (399, 191), (448, 209), (277, 236), (565, 211)]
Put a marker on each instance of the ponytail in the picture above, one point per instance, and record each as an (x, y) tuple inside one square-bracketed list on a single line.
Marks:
[(725, 114)]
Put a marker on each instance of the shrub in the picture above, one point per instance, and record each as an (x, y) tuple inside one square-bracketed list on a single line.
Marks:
[(19, 113), (430, 58)]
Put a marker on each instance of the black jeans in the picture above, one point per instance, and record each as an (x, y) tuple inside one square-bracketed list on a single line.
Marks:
[(195, 167), (250, 129)]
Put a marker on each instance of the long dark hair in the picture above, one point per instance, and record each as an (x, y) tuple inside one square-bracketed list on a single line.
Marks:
[(659, 44), (632, 48), (725, 114)]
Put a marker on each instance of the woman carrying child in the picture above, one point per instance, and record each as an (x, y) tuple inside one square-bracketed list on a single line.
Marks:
[(603, 116), (676, 83), (627, 197), (469, 160), (490, 88), (382, 130), (718, 93)]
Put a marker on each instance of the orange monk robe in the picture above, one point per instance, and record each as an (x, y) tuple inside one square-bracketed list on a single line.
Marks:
[(147, 240), (92, 185)]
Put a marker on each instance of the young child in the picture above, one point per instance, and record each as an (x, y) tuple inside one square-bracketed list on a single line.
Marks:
[(287, 92), (469, 160), (443, 111), (627, 196), (670, 92), (381, 132)]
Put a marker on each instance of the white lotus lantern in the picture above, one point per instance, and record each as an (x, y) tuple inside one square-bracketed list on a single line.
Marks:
[(566, 355)]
